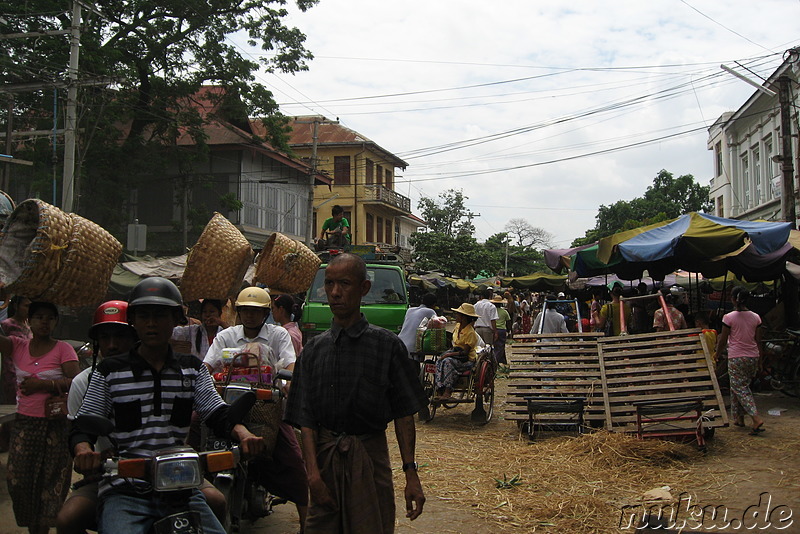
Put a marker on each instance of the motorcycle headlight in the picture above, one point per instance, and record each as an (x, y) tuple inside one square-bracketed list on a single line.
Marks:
[(177, 471), (234, 391)]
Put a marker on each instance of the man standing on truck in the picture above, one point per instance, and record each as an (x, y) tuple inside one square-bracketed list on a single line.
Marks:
[(349, 383), (335, 229)]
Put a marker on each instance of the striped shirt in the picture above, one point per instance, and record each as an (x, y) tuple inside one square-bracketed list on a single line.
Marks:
[(151, 410)]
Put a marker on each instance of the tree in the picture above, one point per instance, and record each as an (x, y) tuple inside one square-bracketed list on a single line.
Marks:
[(448, 245), (448, 216), (460, 256), (522, 260), (527, 235), (158, 54), (667, 198)]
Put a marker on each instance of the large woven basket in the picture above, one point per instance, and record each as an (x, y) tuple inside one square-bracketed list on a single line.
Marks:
[(32, 247), (46, 254), (286, 265), (217, 263), (88, 265)]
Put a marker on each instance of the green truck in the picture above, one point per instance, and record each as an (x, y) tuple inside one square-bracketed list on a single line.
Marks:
[(385, 305)]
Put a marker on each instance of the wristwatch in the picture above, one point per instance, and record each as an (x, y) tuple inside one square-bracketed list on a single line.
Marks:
[(410, 465)]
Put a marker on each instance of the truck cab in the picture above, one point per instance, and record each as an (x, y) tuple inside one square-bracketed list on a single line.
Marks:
[(385, 305)]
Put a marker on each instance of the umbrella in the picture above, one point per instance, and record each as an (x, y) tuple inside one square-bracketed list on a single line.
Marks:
[(699, 242), (536, 281)]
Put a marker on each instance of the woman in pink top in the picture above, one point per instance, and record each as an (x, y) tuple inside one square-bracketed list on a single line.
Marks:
[(39, 459), (15, 325), (742, 335)]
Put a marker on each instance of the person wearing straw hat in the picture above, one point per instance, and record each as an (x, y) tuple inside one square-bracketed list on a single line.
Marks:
[(462, 356), (350, 382), (284, 474)]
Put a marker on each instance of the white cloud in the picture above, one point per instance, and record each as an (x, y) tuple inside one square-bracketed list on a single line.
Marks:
[(366, 47)]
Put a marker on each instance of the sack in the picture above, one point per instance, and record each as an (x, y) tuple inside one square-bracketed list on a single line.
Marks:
[(55, 407), (608, 328)]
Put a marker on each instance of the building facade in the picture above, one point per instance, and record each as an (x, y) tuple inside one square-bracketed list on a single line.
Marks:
[(258, 188), (363, 183), (747, 152)]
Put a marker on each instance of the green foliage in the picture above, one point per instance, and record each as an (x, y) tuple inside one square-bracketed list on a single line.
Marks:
[(158, 55), (667, 198), (448, 216), (230, 202), (462, 256)]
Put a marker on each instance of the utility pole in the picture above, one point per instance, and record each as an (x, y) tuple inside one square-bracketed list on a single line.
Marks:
[(788, 210), (313, 172), (71, 109), (9, 141)]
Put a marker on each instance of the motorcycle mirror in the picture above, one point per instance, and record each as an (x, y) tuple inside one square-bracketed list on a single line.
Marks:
[(241, 406), (284, 374), (97, 425)]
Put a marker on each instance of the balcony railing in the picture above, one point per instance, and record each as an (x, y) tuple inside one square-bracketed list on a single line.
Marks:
[(384, 194)]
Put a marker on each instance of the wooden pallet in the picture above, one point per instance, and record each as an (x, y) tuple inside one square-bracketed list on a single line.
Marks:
[(612, 373), (555, 366), (657, 366)]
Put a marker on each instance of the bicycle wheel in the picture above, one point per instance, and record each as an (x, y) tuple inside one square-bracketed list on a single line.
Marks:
[(484, 394), (427, 380)]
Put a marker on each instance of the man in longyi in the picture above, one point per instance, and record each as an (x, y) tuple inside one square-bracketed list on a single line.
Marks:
[(349, 383)]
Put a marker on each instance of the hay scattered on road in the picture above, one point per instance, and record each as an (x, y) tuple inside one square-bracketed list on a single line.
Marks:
[(568, 484)]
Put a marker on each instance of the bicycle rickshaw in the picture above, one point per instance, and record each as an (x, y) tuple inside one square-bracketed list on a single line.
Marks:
[(474, 386)]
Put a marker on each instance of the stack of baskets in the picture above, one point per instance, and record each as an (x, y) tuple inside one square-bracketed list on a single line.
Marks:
[(217, 263), (46, 254), (286, 265)]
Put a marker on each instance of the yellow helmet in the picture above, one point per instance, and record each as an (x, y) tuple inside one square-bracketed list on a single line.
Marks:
[(254, 296)]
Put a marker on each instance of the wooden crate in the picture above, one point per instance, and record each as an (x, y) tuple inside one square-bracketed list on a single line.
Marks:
[(657, 366), (555, 366), (613, 373)]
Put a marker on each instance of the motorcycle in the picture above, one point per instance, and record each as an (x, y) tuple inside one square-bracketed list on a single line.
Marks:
[(171, 473), (245, 497)]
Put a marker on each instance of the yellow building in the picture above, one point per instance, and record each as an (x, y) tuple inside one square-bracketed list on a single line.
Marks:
[(363, 183)]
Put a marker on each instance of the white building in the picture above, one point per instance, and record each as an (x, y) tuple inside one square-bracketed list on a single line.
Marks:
[(747, 149)]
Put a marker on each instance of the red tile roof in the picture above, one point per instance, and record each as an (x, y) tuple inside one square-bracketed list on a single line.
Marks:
[(331, 135)]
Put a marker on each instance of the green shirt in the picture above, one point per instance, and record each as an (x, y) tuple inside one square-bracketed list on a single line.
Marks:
[(502, 318), (329, 226)]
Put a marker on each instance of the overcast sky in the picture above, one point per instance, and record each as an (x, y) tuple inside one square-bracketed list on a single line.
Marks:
[(528, 106)]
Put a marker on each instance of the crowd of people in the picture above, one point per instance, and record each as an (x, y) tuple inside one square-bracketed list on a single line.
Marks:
[(153, 376), (349, 384)]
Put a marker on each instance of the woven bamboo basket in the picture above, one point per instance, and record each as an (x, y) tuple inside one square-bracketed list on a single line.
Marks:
[(217, 263), (87, 265), (46, 254), (286, 265), (33, 243)]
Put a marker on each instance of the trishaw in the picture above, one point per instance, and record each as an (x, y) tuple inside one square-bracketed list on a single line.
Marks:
[(474, 386)]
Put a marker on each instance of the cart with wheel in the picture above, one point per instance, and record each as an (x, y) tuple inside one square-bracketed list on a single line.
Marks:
[(474, 386)]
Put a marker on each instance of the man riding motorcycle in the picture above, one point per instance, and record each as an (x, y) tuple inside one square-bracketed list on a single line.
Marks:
[(149, 393)]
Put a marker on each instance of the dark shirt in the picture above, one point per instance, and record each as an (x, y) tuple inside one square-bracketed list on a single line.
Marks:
[(354, 381)]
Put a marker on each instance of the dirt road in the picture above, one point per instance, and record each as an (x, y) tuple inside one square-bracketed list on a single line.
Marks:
[(734, 473)]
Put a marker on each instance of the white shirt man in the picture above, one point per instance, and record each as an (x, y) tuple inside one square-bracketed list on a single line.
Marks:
[(486, 325), (280, 353), (554, 322)]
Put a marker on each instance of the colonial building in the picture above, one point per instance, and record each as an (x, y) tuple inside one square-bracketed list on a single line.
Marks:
[(257, 187), (363, 183), (747, 150)]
